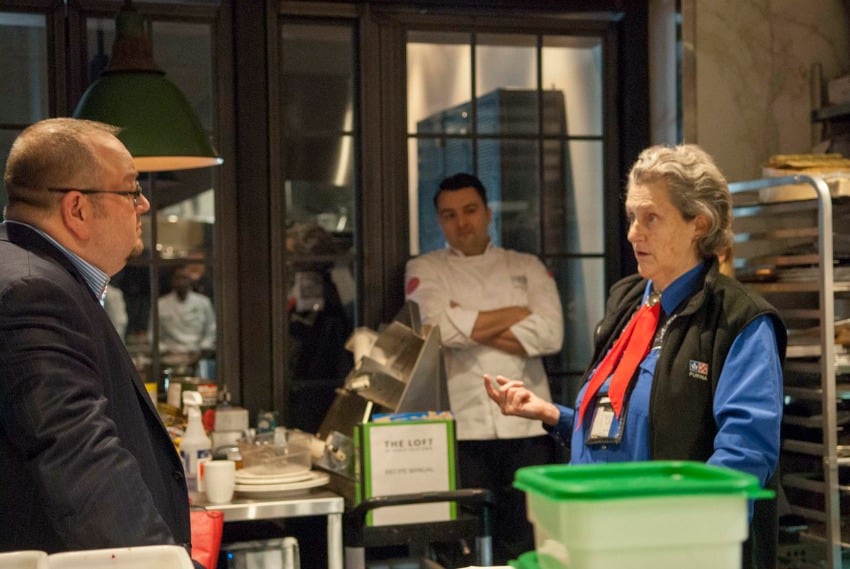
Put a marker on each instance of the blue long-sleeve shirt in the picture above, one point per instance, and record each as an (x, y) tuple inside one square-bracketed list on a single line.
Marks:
[(747, 402)]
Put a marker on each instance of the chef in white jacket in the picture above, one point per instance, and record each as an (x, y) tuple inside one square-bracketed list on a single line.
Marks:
[(499, 312)]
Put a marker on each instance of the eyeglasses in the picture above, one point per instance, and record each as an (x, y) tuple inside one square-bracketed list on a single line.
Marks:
[(135, 194)]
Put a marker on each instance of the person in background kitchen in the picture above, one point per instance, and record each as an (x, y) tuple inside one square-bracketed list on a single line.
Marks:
[(318, 324), (202, 281), (498, 311), (700, 377), (85, 462), (187, 325)]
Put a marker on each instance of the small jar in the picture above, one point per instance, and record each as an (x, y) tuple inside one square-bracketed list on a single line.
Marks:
[(234, 455)]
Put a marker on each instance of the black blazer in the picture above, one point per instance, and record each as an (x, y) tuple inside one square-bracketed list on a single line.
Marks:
[(85, 461)]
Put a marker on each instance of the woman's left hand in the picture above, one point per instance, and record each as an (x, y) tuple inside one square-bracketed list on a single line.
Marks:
[(513, 398)]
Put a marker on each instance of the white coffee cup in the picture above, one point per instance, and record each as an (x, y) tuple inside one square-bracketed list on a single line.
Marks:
[(219, 480)]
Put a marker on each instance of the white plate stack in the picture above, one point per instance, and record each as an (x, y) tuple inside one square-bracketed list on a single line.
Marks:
[(257, 483)]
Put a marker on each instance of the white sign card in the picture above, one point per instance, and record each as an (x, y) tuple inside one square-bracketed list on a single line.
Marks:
[(405, 458)]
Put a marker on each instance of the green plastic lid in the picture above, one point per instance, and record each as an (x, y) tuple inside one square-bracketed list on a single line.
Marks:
[(527, 560), (636, 480)]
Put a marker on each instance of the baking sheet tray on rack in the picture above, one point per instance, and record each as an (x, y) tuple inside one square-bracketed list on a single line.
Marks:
[(838, 183)]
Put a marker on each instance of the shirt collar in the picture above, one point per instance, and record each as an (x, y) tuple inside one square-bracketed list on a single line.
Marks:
[(95, 279), (456, 253), (680, 289)]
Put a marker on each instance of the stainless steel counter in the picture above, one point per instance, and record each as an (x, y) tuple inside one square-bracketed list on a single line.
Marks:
[(315, 502)]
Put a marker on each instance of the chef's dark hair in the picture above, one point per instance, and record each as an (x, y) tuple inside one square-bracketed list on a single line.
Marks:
[(460, 181)]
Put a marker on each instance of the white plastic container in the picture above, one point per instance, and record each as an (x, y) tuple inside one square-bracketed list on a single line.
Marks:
[(643, 515), (143, 557), (231, 418), (24, 559), (195, 445)]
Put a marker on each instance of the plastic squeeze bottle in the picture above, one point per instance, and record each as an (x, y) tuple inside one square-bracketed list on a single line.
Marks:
[(195, 444)]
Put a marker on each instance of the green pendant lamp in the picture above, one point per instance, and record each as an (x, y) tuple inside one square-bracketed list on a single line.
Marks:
[(158, 126)]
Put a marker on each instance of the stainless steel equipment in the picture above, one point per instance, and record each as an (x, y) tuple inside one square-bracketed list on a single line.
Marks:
[(399, 369)]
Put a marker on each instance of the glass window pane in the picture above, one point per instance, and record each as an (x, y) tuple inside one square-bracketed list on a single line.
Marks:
[(438, 78), (506, 83), (508, 169), (183, 50), (454, 120), (317, 102), (505, 111), (573, 212), (184, 205), (317, 106), (318, 92), (581, 283), (573, 66), (586, 165), (431, 160), (100, 34), (184, 228), (321, 161), (23, 43)]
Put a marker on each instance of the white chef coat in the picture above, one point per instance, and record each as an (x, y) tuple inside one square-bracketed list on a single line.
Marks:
[(496, 279), (186, 326)]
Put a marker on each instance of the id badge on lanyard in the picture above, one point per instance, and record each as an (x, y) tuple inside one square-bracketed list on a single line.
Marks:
[(605, 427)]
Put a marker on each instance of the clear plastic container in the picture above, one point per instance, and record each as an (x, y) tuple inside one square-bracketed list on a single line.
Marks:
[(283, 452)]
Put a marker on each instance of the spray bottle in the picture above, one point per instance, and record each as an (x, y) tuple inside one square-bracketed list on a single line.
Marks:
[(195, 445)]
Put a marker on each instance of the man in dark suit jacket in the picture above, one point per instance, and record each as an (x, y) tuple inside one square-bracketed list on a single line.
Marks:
[(85, 461)]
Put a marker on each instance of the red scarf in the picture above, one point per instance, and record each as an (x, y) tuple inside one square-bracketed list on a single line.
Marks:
[(623, 358)]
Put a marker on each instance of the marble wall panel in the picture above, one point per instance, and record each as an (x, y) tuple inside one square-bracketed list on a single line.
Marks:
[(751, 75)]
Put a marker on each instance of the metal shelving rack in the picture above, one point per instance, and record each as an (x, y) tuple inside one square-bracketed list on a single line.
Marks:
[(785, 226)]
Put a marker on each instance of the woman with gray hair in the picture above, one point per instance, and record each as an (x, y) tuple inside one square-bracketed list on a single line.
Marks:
[(695, 187), (687, 362)]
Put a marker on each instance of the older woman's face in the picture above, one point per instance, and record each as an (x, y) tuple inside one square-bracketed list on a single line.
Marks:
[(664, 242)]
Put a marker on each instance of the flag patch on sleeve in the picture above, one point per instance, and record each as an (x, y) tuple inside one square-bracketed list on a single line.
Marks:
[(412, 285)]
